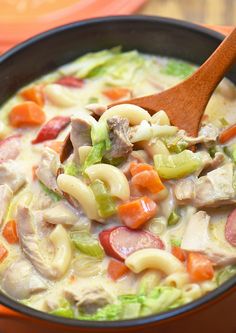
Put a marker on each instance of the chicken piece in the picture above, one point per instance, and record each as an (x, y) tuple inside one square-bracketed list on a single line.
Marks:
[(48, 266), (89, 298), (80, 134), (197, 238), (213, 190), (184, 190), (207, 134), (12, 174), (118, 132), (60, 213), (6, 195), (97, 108), (216, 188), (20, 280), (48, 168)]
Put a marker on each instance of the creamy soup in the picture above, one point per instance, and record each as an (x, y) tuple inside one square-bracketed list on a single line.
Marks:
[(110, 213)]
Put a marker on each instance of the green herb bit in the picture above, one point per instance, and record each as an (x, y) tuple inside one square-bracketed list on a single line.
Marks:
[(173, 219), (175, 242), (212, 151), (224, 122), (227, 151), (93, 99)]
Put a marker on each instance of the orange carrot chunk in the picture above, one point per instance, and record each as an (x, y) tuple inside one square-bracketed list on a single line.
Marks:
[(55, 145), (10, 232), (228, 134), (199, 267), (26, 114), (178, 253), (116, 269), (3, 252), (139, 167), (33, 94), (116, 93), (148, 180), (135, 213)]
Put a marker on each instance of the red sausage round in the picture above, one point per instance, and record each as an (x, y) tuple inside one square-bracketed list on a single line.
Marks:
[(120, 242), (230, 228)]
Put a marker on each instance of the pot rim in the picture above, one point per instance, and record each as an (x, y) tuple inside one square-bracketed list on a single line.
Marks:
[(208, 299)]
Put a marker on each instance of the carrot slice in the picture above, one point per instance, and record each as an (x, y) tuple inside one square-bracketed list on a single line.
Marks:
[(33, 94), (199, 267), (3, 252), (135, 213), (148, 180), (139, 167), (116, 269), (228, 134), (26, 114), (10, 232), (178, 253), (116, 93)]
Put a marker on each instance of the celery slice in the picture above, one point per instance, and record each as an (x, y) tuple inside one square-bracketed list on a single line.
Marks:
[(105, 203), (71, 169), (178, 68), (178, 165), (64, 310), (87, 244)]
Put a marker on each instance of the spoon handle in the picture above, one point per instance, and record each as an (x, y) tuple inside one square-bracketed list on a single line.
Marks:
[(214, 69)]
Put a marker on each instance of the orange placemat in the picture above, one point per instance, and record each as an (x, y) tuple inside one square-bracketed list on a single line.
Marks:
[(22, 19)]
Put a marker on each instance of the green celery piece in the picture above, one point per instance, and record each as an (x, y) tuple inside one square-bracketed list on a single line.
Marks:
[(131, 310), (54, 196), (224, 274), (95, 155), (88, 63), (234, 155), (175, 242), (64, 310), (178, 68), (132, 298), (173, 218), (178, 165), (160, 299), (87, 244), (93, 100), (71, 169), (113, 161), (99, 133), (175, 145), (227, 151), (105, 203), (109, 312)]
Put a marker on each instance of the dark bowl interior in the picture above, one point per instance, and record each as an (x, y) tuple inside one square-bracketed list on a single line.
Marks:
[(152, 35)]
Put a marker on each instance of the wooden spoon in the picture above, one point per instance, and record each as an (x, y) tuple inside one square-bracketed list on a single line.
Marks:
[(185, 103)]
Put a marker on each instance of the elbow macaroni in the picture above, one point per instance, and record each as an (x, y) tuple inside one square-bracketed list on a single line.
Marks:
[(63, 253), (81, 192), (154, 258), (114, 178), (133, 113)]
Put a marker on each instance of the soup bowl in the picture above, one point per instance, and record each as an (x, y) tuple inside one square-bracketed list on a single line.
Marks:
[(44, 53)]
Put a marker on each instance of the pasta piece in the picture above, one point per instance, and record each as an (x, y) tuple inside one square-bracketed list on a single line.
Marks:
[(154, 258), (114, 178), (133, 113), (160, 118), (59, 95), (63, 253), (81, 192), (207, 286), (177, 280), (157, 225), (191, 292), (83, 153)]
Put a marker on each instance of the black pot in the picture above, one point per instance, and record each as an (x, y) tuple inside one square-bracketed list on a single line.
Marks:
[(44, 53)]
